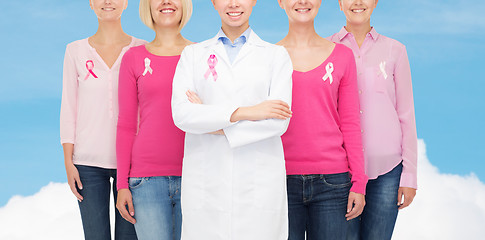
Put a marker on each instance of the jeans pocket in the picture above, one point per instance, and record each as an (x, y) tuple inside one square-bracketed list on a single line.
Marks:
[(135, 182), (338, 180)]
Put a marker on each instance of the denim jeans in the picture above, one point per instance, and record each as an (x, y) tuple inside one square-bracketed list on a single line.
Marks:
[(380, 212), (317, 205), (95, 206), (157, 207)]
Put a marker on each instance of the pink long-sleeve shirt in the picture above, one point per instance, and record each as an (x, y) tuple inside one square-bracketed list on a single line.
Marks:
[(387, 105), (89, 107), (324, 135), (146, 91)]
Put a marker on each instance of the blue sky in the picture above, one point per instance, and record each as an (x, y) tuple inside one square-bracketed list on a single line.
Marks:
[(444, 43)]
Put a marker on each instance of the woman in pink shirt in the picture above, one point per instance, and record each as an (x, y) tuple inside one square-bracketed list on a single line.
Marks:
[(149, 146), (323, 148), (89, 111), (387, 117)]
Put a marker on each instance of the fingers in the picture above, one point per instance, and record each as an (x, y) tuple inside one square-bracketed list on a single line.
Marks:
[(279, 110), (355, 204), (193, 97), (279, 115), (131, 209), (282, 106), (218, 132), (405, 197), (399, 197), (355, 211), (72, 185), (128, 216), (79, 183), (350, 205), (279, 102), (407, 201)]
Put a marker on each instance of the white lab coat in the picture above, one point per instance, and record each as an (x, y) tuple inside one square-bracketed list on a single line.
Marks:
[(233, 186)]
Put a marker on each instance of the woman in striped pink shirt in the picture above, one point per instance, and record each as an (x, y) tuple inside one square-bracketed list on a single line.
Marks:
[(323, 148), (387, 117)]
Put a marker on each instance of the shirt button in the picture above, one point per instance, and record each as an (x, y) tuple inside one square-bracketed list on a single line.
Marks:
[(362, 149), (360, 73), (360, 91), (362, 131), (358, 56), (361, 111)]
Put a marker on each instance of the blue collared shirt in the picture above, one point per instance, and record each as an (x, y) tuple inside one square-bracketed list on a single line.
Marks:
[(232, 49)]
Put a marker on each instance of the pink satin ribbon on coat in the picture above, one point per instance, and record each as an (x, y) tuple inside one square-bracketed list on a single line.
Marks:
[(90, 67), (212, 62)]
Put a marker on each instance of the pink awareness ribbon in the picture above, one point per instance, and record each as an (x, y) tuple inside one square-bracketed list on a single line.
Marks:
[(90, 67), (212, 62)]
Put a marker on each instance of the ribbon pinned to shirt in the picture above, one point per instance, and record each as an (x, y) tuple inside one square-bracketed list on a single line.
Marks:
[(147, 67), (212, 62), (328, 75), (90, 67), (382, 66)]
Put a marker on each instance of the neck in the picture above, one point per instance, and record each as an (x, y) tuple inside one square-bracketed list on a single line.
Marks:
[(359, 31), (109, 32), (234, 32), (301, 34), (165, 36)]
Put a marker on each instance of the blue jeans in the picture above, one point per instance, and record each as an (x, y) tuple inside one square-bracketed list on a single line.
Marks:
[(157, 207), (95, 206), (380, 212), (317, 205)]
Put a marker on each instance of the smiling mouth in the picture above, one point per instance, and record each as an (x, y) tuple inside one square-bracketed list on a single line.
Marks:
[(358, 10), (302, 10), (234, 14), (167, 10), (108, 9)]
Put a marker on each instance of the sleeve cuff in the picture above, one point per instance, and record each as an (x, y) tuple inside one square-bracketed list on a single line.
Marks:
[(359, 187), (409, 180), (122, 184), (67, 141)]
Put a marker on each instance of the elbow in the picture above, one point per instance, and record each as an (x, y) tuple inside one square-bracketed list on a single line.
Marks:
[(283, 126), (179, 121)]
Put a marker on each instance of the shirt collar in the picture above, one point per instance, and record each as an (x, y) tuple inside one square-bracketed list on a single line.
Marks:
[(343, 33), (221, 36), (373, 33)]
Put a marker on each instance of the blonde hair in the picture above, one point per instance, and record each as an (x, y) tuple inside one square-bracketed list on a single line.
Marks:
[(147, 17)]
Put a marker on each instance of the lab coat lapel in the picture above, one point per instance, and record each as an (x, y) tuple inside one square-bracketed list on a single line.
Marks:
[(253, 42), (219, 50)]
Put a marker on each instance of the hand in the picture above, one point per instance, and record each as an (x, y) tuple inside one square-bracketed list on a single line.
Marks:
[(355, 205), (73, 180), (218, 132), (125, 198), (193, 97), (265, 110), (408, 194)]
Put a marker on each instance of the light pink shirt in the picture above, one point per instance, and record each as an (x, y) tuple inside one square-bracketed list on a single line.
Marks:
[(387, 105), (324, 133), (89, 108)]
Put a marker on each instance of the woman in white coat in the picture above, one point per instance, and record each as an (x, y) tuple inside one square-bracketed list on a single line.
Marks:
[(233, 176)]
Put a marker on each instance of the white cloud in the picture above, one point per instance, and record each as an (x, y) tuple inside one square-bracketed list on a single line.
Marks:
[(50, 214), (447, 207)]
